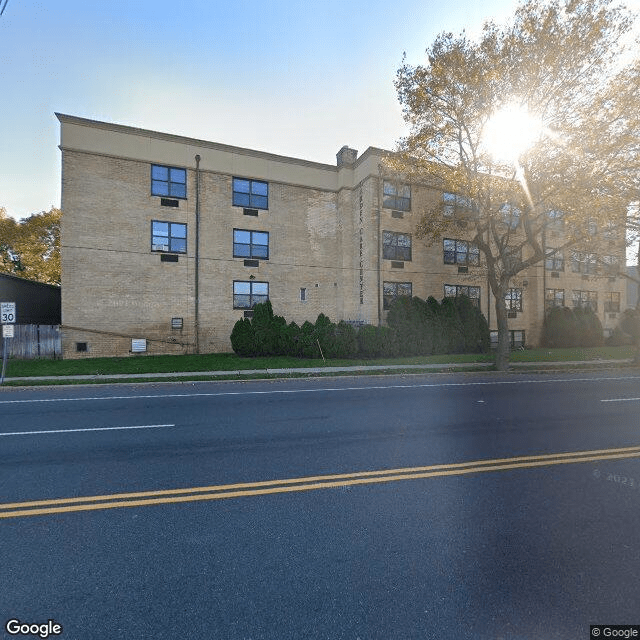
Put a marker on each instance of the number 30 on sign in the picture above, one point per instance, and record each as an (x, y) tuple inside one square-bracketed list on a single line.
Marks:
[(7, 312)]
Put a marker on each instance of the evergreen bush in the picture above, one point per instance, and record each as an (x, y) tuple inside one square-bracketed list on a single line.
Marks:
[(243, 339), (564, 327)]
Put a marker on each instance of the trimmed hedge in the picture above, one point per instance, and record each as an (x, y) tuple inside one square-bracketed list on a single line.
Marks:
[(564, 327), (415, 327)]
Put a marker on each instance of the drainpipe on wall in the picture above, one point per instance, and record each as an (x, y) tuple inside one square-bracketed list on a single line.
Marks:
[(197, 259)]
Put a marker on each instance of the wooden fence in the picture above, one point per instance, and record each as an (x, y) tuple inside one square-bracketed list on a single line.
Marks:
[(34, 341)]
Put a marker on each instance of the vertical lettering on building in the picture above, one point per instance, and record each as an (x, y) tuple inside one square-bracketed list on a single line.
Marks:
[(361, 247)]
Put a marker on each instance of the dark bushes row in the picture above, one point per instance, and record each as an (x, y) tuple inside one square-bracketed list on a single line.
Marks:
[(564, 327), (415, 327)]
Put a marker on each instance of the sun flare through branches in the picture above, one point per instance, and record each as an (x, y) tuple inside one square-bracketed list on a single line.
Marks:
[(510, 132)]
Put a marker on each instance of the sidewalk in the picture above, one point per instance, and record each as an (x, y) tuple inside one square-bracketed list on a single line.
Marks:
[(479, 366)]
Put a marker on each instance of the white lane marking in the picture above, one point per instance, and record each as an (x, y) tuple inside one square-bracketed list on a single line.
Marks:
[(31, 433), (324, 389), (620, 400)]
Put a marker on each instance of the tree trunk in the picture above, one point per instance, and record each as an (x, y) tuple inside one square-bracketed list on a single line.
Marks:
[(504, 342), (636, 338)]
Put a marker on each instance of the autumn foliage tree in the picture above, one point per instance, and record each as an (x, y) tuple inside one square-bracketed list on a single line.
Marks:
[(30, 248), (567, 91)]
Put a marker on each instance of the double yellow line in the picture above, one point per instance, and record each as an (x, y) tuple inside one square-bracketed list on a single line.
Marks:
[(221, 492)]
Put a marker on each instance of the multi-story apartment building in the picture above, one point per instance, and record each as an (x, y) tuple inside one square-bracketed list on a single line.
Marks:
[(167, 241)]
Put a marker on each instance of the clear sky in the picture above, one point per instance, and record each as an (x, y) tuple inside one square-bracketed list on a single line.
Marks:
[(298, 78), (295, 77)]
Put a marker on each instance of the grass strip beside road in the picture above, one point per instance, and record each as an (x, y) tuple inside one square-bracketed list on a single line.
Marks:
[(232, 363), (219, 492)]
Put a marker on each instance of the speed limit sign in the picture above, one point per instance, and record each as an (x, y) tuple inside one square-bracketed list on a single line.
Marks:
[(7, 312)]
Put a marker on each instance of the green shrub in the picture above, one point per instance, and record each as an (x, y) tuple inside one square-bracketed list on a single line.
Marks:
[(377, 342), (475, 329), (289, 340), (589, 328), (243, 339), (425, 327), (267, 329), (564, 327), (346, 340), (630, 323), (618, 338)]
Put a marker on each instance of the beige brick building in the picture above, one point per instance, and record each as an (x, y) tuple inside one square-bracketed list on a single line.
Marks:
[(167, 241)]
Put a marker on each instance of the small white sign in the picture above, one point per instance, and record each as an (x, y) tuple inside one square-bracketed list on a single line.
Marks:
[(7, 312), (7, 331)]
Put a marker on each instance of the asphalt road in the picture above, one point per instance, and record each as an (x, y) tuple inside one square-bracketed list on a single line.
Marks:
[(441, 506)]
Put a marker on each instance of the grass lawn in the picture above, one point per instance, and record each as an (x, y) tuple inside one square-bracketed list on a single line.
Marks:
[(231, 362)]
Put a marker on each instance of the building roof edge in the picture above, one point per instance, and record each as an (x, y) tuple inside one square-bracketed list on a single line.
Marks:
[(171, 137)]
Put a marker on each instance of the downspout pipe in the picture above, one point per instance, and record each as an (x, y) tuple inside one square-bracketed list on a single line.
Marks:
[(197, 260)]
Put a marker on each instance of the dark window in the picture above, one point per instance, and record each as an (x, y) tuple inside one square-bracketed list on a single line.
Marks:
[(460, 252), (516, 338), (396, 246), (510, 215), (513, 299), (554, 260), (396, 196), (248, 294), (168, 236), (454, 205), (555, 220), (168, 181), (456, 290), (81, 346), (586, 299), (303, 294), (611, 265), (612, 301), (554, 298), (393, 290), (252, 194), (250, 244), (584, 262)]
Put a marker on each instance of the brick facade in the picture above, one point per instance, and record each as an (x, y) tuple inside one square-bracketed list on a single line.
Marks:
[(326, 228)]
